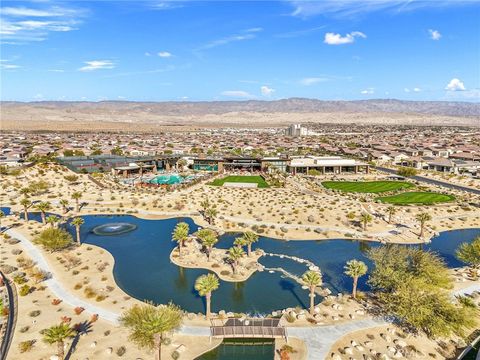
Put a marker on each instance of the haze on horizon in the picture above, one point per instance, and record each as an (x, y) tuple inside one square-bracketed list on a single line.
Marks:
[(239, 50)]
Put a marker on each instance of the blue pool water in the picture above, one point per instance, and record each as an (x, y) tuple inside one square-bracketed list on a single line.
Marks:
[(143, 268), (170, 179)]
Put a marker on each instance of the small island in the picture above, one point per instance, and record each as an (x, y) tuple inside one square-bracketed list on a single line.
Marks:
[(197, 251)]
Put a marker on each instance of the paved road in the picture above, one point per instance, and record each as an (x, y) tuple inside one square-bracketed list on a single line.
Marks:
[(10, 321), (433, 182)]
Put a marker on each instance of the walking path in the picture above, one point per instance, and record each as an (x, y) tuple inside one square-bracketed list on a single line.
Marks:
[(317, 339)]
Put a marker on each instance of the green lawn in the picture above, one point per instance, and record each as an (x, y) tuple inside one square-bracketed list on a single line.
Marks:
[(416, 198), (367, 186), (241, 179)]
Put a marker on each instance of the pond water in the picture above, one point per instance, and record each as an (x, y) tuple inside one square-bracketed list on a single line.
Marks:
[(143, 268), (241, 349)]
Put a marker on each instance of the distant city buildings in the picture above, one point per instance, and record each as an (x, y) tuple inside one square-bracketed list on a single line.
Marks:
[(296, 130)]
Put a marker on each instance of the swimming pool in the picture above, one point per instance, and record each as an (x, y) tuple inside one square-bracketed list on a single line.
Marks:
[(169, 179), (143, 268)]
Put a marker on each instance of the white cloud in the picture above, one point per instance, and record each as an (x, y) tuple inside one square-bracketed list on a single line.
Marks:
[(147, 54), (247, 34), (415, 89), (312, 80), (38, 96), (166, 5), (266, 91), (254, 30), (353, 8), (236, 93), (337, 39), (164, 54), (455, 85), (9, 66), (21, 24), (97, 65), (434, 34), (22, 11), (368, 91), (56, 70)]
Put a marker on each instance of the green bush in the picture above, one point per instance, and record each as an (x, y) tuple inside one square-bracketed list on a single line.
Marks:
[(25, 290), (54, 239)]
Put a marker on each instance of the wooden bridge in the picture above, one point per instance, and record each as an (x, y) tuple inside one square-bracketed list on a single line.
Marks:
[(247, 328)]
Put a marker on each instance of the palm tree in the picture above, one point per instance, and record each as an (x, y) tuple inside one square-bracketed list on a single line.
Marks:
[(77, 222), (209, 240), (239, 242), (64, 204), (24, 191), (250, 238), (365, 218), (25, 202), (52, 220), (211, 213), (391, 211), (43, 207), (77, 195), (235, 254), (180, 234), (422, 218), (355, 269), (205, 284), (149, 324), (57, 335), (312, 279)]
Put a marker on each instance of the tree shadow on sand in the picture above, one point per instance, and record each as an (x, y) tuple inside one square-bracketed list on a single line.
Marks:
[(82, 329)]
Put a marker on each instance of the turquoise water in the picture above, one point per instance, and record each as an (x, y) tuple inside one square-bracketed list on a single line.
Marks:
[(242, 349), (170, 179), (143, 268)]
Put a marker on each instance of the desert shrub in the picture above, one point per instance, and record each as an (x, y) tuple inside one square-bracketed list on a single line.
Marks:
[(121, 351), (54, 239), (34, 313), (25, 290), (26, 346)]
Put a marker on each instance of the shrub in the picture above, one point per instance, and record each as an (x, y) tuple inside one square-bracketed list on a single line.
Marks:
[(25, 290), (34, 313), (26, 346), (54, 239), (121, 351), (175, 355), (290, 318), (78, 310)]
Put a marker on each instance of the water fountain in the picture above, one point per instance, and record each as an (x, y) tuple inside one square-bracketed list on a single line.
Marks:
[(113, 229)]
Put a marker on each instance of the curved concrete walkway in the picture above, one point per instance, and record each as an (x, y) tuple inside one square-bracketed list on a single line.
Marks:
[(318, 340)]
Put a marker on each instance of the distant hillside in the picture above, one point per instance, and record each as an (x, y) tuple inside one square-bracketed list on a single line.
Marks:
[(293, 105)]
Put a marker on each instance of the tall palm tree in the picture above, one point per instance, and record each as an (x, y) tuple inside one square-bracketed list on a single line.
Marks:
[(25, 202), (149, 324), (235, 254), (391, 211), (365, 218), (77, 222), (64, 204), (57, 335), (211, 213), (423, 218), (43, 207), (250, 238), (209, 240), (77, 195), (53, 220), (312, 279), (205, 285), (180, 234), (355, 269), (239, 242)]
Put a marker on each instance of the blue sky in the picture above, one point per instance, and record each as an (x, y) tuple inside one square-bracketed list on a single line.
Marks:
[(228, 50)]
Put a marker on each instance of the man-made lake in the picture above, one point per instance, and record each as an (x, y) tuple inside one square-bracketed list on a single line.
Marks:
[(143, 268)]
